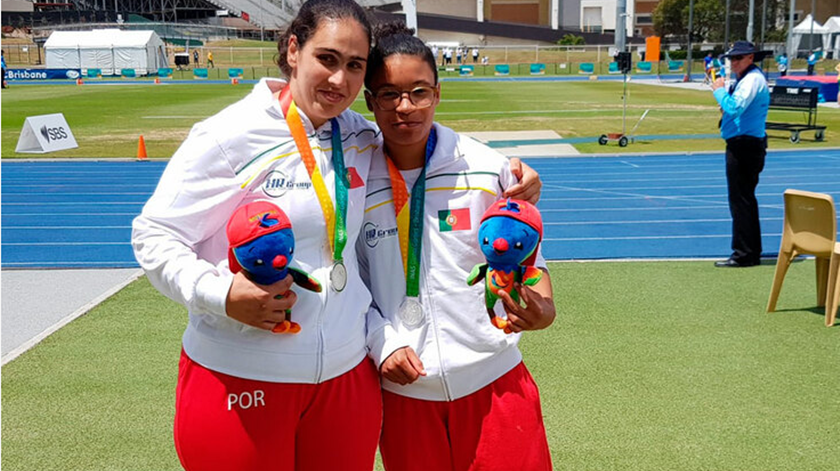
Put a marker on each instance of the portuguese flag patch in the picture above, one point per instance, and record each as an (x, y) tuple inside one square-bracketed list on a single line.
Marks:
[(454, 219)]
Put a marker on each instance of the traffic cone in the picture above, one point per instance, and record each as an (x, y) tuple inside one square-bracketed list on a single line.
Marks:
[(157, 81), (234, 81), (141, 150), (79, 81)]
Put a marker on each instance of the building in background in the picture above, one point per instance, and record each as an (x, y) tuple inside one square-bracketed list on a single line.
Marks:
[(643, 17)]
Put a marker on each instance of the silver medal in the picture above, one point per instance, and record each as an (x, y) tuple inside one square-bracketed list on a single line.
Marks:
[(338, 276), (411, 312)]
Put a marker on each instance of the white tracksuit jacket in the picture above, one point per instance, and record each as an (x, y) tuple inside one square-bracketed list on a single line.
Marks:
[(461, 350), (242, 154)]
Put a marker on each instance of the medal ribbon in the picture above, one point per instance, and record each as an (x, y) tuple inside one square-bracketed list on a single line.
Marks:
[(410, 218), (336, 220)]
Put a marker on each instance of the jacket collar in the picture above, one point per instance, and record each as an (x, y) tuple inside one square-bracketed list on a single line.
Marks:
[(263, 93)]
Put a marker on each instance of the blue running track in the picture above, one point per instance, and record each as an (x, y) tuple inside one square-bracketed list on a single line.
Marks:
[(78, 214)]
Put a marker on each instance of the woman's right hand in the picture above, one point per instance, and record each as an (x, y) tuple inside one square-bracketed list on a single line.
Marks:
[(260, 306), (402, 367)]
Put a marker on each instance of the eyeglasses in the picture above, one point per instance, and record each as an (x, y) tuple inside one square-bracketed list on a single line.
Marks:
[(388, 99)]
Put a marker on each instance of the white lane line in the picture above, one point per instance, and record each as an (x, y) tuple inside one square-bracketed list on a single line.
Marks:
[(715, 195), (69, 318), (707, 236), (61, 244), (720, 177), (69, 214), (619, 193), (7, 227), (76, 203), (633, 188), (659, 221), (115, 264), (143, 193), (722, 206)]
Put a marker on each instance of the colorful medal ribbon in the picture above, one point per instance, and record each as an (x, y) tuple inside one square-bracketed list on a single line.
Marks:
[(336, 220), (410, 218)]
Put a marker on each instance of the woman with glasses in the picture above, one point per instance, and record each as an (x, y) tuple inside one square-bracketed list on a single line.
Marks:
[(456, 393)]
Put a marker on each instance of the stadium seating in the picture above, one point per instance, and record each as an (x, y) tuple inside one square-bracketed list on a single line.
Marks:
[(94, 73), (675, 66), (614, 68), (466, 71), (644, 67), (586, 68), (128, 73), (810, 227), (200, 73), (537, 69), (235, 72), (164, 72), (502, 69)]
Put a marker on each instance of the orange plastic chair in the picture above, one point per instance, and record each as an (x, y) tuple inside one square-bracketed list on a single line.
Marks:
[(810, 227)]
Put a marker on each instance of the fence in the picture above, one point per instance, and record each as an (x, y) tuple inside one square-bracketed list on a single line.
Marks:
[(558, 60)]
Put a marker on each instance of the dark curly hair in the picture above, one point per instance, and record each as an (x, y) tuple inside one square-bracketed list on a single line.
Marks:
[(396, 38), (311, 13)]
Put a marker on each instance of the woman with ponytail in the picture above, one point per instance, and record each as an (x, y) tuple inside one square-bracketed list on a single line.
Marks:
[(456, 393), (248, 398)]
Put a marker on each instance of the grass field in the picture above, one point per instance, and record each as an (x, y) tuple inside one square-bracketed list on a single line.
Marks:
[(649, 366), (108, 120)]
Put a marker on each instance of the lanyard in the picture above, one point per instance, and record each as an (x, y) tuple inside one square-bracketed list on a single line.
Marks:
[(336, 219), (410, 218)]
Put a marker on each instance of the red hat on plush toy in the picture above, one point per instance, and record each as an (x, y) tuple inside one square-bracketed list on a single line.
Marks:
[(516, 209), (249, 223), (522, 211)]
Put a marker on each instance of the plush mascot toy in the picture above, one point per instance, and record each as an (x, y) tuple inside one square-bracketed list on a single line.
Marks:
[(509, 235), (262, 244)]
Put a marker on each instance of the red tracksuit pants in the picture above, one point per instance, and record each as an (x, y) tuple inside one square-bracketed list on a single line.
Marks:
[(228, 423), (497, 428)]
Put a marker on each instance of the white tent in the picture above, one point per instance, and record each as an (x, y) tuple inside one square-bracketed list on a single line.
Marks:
[(108, 49), (808, 26), (832, 36)]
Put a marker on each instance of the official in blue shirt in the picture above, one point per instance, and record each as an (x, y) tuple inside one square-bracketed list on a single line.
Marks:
[(742, 125), (812, 61)]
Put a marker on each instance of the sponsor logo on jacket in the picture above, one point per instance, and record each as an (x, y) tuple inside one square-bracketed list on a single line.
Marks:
[(373, 234), (277, 183)]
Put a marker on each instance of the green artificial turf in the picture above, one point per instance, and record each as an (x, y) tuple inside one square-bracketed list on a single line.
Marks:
[(649, 366), (107, 121)]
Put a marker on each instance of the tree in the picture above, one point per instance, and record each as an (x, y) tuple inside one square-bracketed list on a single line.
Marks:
[(571, 40), (670, 20)]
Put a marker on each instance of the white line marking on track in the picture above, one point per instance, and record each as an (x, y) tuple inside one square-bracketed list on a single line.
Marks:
[(628, 163), (7, 227), (62, 244), (659, 221), (69, 318), (707, 236)]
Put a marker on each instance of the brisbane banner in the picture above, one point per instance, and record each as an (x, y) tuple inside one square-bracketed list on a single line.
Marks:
[(42, 74)]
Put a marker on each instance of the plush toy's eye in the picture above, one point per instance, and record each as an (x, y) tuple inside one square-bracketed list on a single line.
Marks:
[(518, 246), (259, 262), (486, 241), (291, 251)]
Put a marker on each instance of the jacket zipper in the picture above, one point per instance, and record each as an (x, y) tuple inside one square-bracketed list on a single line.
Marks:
[(443, 379)]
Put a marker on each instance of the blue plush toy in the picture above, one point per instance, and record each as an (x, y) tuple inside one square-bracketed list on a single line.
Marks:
[(261, 243), (509, 235)]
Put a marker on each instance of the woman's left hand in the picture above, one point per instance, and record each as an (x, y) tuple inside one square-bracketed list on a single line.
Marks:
[(529, 185), (538, 312)]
